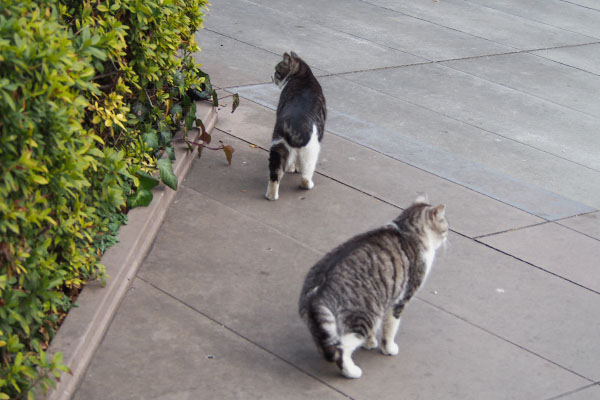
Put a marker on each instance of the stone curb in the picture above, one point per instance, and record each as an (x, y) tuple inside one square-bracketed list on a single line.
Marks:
[(82, 331)]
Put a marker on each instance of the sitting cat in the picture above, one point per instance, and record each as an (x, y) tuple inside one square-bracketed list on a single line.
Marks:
[(365, 283), (300, 123)]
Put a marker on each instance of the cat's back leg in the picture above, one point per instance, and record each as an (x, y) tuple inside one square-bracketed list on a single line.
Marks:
[(278, 158), (348, 344), (307, 159)]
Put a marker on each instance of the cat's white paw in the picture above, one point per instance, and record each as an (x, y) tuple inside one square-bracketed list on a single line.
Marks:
[(352, 371), (272, 191), (371, 343), (390, 349), (307, 184)]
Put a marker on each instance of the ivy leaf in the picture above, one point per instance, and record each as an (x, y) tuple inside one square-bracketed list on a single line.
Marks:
[(236, 102), (141, 198), (167, 176), (147, 181), (228, 150), (151, 139), (170, 152)]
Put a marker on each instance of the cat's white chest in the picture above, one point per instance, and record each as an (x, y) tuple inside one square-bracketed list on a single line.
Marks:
[(428, 256)]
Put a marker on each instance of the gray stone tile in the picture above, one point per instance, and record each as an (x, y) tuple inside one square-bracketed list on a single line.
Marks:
[(586, 57), (158, 348), (538, 311), (247, 276), (396, 182), (557, 133), (556, 13), (395, 30), (588, 224), (322, 47), (589, 393), (540, 77), (484, 22), (528, 120), (554, 248), (483, 161)]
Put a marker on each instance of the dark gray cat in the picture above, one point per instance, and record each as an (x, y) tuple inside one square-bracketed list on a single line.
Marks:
[(364, 284), (300, 124)]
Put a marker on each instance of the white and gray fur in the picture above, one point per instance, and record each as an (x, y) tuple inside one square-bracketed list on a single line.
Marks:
[(362, 286), (300, 124)]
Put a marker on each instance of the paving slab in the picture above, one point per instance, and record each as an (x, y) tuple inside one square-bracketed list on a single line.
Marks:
[(557, 130), (556, 13), (418, 37), (322, 47), (471, 213), (484, 22), (159, 348), (254, 291), (554, 248), (477, 159), (548, 80), (243, 185), (588, 224), (538, 311), (586, 58)]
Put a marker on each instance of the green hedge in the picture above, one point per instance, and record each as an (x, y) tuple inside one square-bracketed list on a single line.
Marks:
[(90, 95)]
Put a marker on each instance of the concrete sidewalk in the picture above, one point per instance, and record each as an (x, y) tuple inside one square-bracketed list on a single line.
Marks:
[(490, 106)]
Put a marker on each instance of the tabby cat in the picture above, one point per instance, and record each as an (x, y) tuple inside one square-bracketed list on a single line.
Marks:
[(300, 124), (364, 284)]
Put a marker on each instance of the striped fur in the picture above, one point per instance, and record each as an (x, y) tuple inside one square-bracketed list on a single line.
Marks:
[(363, 285), (300, 124)]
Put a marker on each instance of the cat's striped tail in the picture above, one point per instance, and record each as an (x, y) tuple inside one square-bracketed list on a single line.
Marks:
[(323, 327)]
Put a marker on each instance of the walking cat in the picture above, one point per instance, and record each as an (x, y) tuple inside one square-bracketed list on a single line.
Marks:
[(364, 284), (300, 123)]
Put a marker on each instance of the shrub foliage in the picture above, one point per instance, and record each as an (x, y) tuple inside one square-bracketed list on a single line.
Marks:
[(90, 95)]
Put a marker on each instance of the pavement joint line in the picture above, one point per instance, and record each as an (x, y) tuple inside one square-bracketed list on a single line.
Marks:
[(536, 266), (440, 308), (563, 395), (322, 173), (471, 125), (580, 5), (511, 230), (436, 23), (530, 19), (443, 64), (533, 53), (338, 30), (246, 339), (286, 235), (579, 232), (456, 182)]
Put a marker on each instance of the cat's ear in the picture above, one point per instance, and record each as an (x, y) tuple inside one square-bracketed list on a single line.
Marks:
[(294, 55), (286, 58), (440, 211), (421, 199)]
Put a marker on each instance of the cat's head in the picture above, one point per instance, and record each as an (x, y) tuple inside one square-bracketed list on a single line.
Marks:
[(426, 220), (287, 67)]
